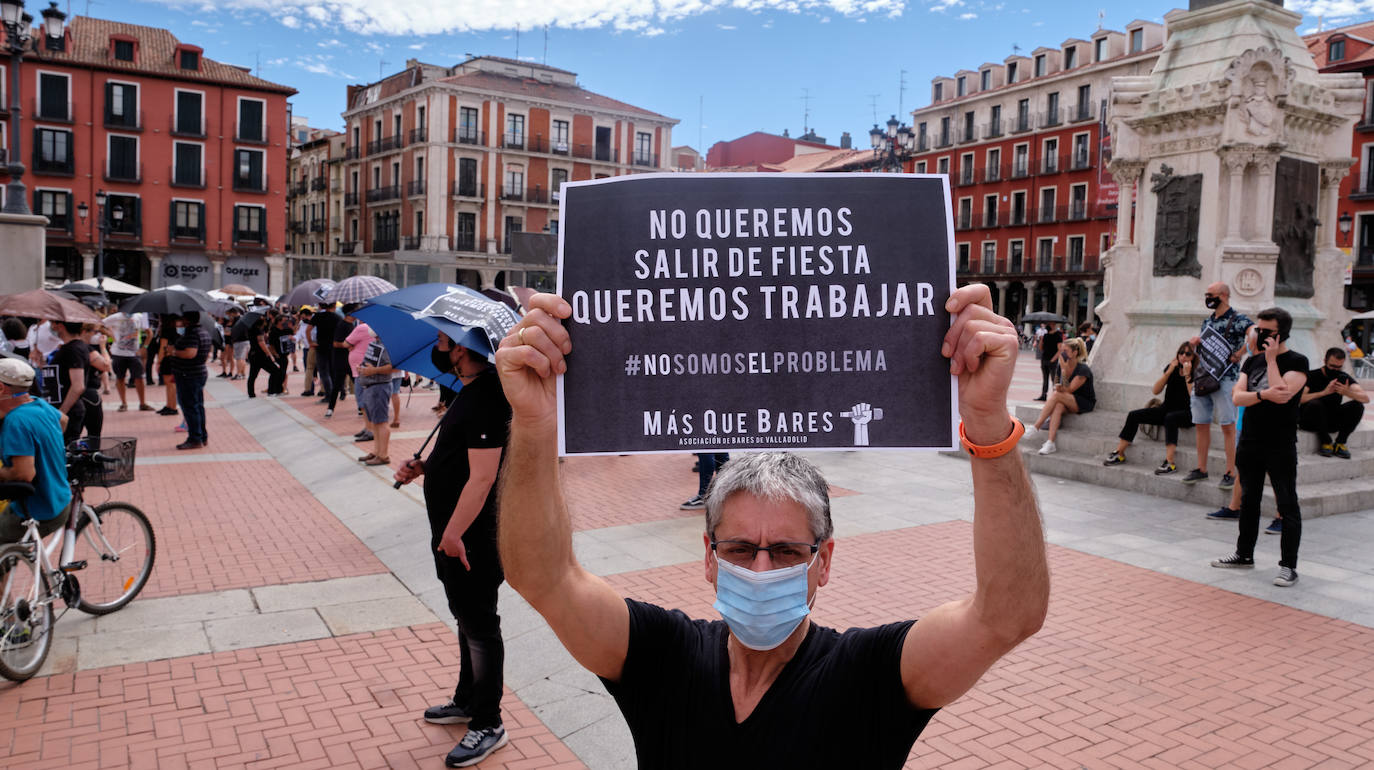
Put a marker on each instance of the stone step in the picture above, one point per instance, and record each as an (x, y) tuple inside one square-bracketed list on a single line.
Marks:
[(1108, 423)]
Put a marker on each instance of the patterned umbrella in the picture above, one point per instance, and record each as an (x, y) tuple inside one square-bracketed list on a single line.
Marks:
[(359, 288)]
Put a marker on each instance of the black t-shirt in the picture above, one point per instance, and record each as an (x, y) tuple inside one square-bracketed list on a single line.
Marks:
[(324, 322), (1085, 394), (1049, 346), (193, 337), (1266, 421), (274, 335), (1317, 380), (478, 418), (1176, 396), (72, 355), (237, 332), (838, 703)]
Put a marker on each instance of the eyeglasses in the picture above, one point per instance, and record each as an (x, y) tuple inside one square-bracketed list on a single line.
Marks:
[(742, 553)]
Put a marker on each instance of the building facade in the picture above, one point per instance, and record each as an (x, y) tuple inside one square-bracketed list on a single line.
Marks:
[(756, 150), (1024, 146), (312, 223), (1351, 49), (190, 153), (453, 173)]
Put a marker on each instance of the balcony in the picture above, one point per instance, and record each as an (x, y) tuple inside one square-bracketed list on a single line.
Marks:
[(602, 153), (967, 175), (465, 242), (536, 195), (347, 247), (645, 159), (319, 183), (296, 226), (350, 199), (1052, 118), (419, 135), (250, 238), (415, 187), (60, 112), (1077, 211), (1085, 111), (1050, 165), (466, 188), (513, 141), (1016, 218), (1022, 124), (1045, 214), (922, 143), (295, 189), (943, 142), (388, 193), (352, 153), (411, 243), (1020, 169), (128, 122), (560, 146), (385, 144), (964, 221), (187, 126), (989, 219), (252, 134), (250, 184), (192, 178), (123, 172), (993, 173), (131, 226), (1081, 160), (993, 129), (512, 194), (187, 234), (469, 135), (317, 225), (385, 244), (969, 134)]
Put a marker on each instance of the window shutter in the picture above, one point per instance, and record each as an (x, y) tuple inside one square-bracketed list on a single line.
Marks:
[(172, 221), (200, 220), (130, 105), (138, 216), (69, 212), (109, 101)]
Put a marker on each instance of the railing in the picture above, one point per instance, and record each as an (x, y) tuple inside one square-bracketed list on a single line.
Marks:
[(132, 122), (1050, 164), (993, 129), (296, 226), (513, 141), (180, 128), (943, 142), (65, 167), (1077, 211), (317, 225), (967, 175), (1044, 214), (134, 174), (969, 134), (415, 187), (53, 113), (186, 233), (352, 153), (560, 147), (469, 189), (964, 221), (1082, 160), (592, 152), (922, 143), (411, 243), (993, 173), (258, 237), (186, 177), (990, 218), (388, 193), (512, 194), (536, 195), (319, 183), (350, 199), (1051, 118), (128, 227), (1020, 170), (465, 242), (348, 247), (385, 144), (250, 185), (257, 135), (419, 135), (295, 188), (1085, 111), (467, 135), (385, 244), (645, 159), (1021, 124)]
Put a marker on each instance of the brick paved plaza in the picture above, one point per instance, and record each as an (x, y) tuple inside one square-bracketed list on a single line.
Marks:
[(293, 619)]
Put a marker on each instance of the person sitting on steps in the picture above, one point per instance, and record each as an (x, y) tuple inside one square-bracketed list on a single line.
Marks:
[(1073, 393), (1322, 411), (1176, 411)]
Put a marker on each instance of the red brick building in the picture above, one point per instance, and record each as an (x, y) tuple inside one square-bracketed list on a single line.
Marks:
[(1022, 142), (1351, 49), (759, 149), (190, 152)]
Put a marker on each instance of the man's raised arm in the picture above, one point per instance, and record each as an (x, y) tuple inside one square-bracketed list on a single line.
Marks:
[(534, 530), (951, 647)]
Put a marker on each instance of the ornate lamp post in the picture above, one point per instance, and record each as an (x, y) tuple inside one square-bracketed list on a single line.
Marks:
[(102, 226), (892, 147), (19, 41), (1344, 223)]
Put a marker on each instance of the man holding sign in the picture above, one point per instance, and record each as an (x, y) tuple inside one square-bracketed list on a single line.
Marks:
[(768, 549), (1219, 349)]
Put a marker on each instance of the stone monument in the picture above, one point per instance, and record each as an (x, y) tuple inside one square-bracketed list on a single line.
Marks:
[(1232, 151)]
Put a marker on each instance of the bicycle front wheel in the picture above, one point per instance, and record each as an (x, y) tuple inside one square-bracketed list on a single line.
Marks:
[(26, 614), (118, 548)]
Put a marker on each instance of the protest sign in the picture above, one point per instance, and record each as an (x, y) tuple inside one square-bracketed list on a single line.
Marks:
[(50, 385), (1213, 353), (716, 312)]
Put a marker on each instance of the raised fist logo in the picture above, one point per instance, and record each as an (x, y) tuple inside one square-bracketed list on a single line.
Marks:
[(861, 414)]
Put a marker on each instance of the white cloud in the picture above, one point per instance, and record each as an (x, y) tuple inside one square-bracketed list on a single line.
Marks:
[(825, 19), (940, 6), (320, 64), (1331, 10), (425, 17), (967, 16), (726, 26), (416, 47), (332, 42)]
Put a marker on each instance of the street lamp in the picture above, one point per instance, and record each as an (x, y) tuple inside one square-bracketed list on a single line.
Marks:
[(1344, 223), (102, 225), (891, 147), (18, 41)]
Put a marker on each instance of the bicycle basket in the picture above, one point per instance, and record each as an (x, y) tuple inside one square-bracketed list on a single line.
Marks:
[(107, 461)]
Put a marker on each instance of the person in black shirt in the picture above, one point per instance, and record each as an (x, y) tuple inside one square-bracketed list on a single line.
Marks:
[(1073, 393), (1175, 412), (276, 331), (1048, 345), (1270, 387), (73, 361), (188, 357), (1322, 410), (460, 498), (766, 686), (325, 322), (260, 355), (342, 371)]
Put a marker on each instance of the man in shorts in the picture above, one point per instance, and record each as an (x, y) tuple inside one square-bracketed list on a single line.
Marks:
[(240, 345), (126, 359), (374, 398), (1217, 405)]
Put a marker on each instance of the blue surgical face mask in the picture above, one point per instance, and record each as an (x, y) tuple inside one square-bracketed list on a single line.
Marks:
[(762, 608)]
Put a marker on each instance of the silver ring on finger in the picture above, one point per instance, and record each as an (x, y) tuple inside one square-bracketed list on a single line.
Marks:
[(520, 335)]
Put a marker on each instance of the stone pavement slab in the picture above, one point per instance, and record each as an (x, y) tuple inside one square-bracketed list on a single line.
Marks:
[(260, 630)]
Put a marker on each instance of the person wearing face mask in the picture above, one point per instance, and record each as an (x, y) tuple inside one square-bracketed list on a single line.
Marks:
[(460, 498), (765, 685), (32, 450), (1270, 388), (1216, 406), (1174, 413), (1322, 409), (188, 357), (1073, 393)]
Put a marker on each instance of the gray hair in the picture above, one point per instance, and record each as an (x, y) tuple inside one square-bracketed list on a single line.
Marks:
[(772, 476)]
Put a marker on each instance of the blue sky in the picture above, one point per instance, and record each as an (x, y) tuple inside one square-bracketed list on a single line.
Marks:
[(723, 68)]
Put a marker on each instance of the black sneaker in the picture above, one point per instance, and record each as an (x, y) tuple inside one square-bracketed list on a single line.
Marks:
[(1287, 576), (1194, 476), (1040, 397), (1115, 458), (1234, 561), (167, 411), (1228, 481), (365, 437), (1342, 451), (448, 714), (1224, 514), (476, 746), (1165, 468), (1275, 527), (1326, 450), (696, 503)]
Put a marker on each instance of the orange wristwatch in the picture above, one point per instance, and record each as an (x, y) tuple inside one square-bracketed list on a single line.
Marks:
[(1018, 429)]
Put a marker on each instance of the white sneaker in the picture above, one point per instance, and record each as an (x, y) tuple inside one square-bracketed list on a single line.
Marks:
[(1031, 430), (1048, 448)]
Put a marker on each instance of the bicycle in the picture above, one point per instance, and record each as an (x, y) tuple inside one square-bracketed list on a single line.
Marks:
[(110, 545)]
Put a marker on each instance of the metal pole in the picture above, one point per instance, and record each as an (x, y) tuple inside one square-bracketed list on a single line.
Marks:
[(100, 250), (16, 196)]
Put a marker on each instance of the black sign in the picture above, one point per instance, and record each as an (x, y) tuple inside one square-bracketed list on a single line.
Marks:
[(1213, 352), (474, 311), (49, 383), (714, 312)]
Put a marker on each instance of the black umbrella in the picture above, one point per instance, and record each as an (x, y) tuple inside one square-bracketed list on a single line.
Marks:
[(169, 302), (1043, 317), (245, 324)]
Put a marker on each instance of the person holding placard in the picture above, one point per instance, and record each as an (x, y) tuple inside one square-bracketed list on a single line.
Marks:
[(1212, 385), (702, 694)]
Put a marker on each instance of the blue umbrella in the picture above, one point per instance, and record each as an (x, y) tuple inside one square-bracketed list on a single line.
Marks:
[(406, 320)]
